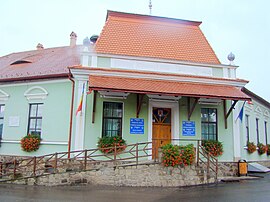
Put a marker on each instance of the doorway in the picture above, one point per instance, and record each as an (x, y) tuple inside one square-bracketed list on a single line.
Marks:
[(161, 128)]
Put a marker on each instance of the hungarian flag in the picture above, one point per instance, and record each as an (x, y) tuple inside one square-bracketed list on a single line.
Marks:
[(79, 109)]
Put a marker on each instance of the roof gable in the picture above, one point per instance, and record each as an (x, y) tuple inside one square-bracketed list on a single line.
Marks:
[(38, 63), (151, 36)]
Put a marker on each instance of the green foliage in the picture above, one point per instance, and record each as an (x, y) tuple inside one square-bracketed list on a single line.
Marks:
[(214, 147), (174, 155), (268, 149), (251, 147), (107, 144), (261, 148), (30, 142)]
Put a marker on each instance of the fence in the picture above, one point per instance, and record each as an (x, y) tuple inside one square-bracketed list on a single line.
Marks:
[(133, 154)]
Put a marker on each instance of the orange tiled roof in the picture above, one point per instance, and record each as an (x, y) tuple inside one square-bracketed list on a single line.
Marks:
[(151, 86), (157, 37), (49, 62)]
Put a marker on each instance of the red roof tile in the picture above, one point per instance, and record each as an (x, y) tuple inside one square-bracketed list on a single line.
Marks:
[(151, 86), (157, 37), (39, 63)]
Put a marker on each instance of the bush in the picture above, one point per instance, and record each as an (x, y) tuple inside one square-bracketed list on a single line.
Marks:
[(251, 147), (107, 144), (174, 155), (214, 147), (30, 143), (268, 149), (261, 148)]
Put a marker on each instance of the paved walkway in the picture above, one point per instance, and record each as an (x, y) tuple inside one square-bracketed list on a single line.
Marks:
[(245, 190)]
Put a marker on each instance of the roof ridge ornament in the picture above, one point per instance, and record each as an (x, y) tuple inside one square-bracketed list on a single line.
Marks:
[(150, 7), (231, 58)]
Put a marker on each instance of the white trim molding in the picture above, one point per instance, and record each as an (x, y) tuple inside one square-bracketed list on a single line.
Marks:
[(36, 96), (174, 106), (3, 96), (78, 138)]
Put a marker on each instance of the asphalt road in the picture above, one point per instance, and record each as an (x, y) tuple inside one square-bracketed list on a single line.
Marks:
[(250, 190)]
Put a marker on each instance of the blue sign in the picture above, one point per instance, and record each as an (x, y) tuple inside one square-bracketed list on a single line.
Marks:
[(136, 126), (188, 128)]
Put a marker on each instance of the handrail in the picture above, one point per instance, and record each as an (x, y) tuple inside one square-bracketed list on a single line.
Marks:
[(80, 159), (89, 158), (211, 163)]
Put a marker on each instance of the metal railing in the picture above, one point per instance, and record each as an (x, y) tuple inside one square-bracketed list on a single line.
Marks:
[(202, 156), (82, 160), (208, 160), (87, 159)]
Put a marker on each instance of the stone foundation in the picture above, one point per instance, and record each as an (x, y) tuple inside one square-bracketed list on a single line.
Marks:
[(142, 175)]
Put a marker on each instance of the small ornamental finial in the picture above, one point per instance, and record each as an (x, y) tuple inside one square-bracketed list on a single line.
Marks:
[(150, 7), (231, 58)]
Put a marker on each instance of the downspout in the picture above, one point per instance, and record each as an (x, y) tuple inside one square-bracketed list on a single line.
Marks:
[(71, 112)]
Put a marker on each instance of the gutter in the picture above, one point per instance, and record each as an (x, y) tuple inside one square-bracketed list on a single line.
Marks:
[(71, 112)]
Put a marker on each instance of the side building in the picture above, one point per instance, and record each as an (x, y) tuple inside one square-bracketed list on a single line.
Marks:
[(36, 97), (255, 126)]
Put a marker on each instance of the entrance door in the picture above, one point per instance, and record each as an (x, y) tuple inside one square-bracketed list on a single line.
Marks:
[(161, 128)]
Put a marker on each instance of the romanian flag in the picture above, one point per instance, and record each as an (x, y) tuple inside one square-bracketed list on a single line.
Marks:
[(79, 109)]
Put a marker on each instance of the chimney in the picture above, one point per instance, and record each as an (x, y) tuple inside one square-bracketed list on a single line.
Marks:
[(39, 46), (73, 39)]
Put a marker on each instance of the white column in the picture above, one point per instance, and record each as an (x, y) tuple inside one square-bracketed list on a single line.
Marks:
[(236, 132), (85, 57), (225, 72), (80, 117), (94, 60)]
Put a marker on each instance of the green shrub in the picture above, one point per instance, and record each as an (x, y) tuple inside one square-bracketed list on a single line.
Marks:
[(30, 143), (174, 155), (261, 148), (107, 144), (251, 147), (214, 147), (268, 149)]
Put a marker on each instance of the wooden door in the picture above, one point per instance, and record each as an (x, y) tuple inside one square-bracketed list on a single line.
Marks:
[(161, 129)]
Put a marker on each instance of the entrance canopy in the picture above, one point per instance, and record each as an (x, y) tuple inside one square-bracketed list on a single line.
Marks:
[(165, 87)]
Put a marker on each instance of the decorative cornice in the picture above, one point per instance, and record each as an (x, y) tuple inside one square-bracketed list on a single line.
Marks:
[(36, 96), (86, 72)]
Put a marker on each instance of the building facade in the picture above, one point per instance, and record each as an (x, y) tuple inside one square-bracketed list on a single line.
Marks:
[(145, 78)]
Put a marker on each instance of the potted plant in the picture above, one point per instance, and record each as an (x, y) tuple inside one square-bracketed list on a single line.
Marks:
[(251, 147), (174, 155), (30, 142), (268, 149), (261, 148), (214, 147), (108, 145)]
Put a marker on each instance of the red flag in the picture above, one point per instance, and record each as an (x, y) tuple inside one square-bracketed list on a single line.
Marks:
[(79, 109)]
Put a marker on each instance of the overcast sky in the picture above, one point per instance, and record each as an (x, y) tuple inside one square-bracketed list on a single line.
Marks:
[(241, 27)]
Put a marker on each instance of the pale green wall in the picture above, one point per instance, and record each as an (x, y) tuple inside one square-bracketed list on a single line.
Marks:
[(253, 112), (217, 72), (55, 117), (94, 131), (224, 135), (103, 62)]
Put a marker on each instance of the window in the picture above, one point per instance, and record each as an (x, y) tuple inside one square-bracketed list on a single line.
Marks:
[(35, 119), (2, 110), (247, 127), (209, 123), (257, 130), (265, 132), (112, 119)]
